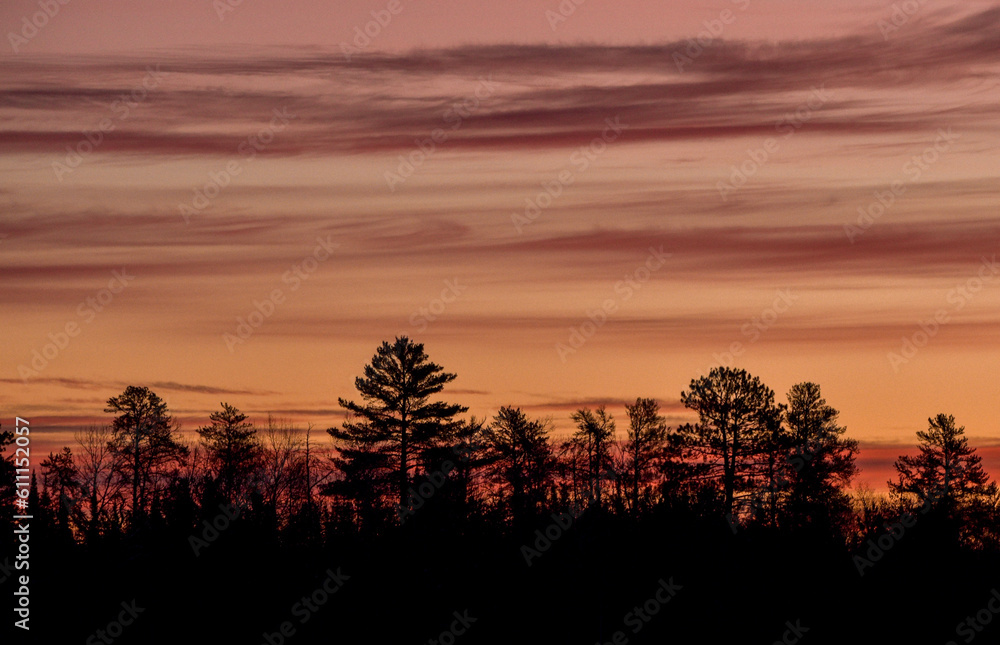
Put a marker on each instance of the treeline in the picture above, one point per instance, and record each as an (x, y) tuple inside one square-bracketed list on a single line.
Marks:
[(434, 527), (402, 456)]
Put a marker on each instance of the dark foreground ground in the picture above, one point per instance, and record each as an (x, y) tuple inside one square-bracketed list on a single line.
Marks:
[(668, 580)]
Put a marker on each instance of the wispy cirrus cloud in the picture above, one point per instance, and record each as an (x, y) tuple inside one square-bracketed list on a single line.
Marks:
[(116, 386), (734, 89)]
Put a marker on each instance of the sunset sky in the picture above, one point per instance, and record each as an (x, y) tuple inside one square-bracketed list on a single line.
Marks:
[(486, 178)]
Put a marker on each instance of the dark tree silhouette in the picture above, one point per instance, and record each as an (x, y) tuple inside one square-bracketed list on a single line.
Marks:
[(774, 445), (397, 422), (7, 472), (143, 440), (100, 480), (488, 499), (947, 475), (366, 482), (281, 465), (519, 459), (39, 507), (62, 482), (821, 462), (464, 462), (644, 447), (233, 451), (593, 440), (735, 412)]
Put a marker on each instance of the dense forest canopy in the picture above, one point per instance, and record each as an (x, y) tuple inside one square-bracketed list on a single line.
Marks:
[(747, 459)]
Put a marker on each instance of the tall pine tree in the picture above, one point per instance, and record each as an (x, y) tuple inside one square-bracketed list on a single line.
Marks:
[(144, 442), (396, 424), (947, 474)]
